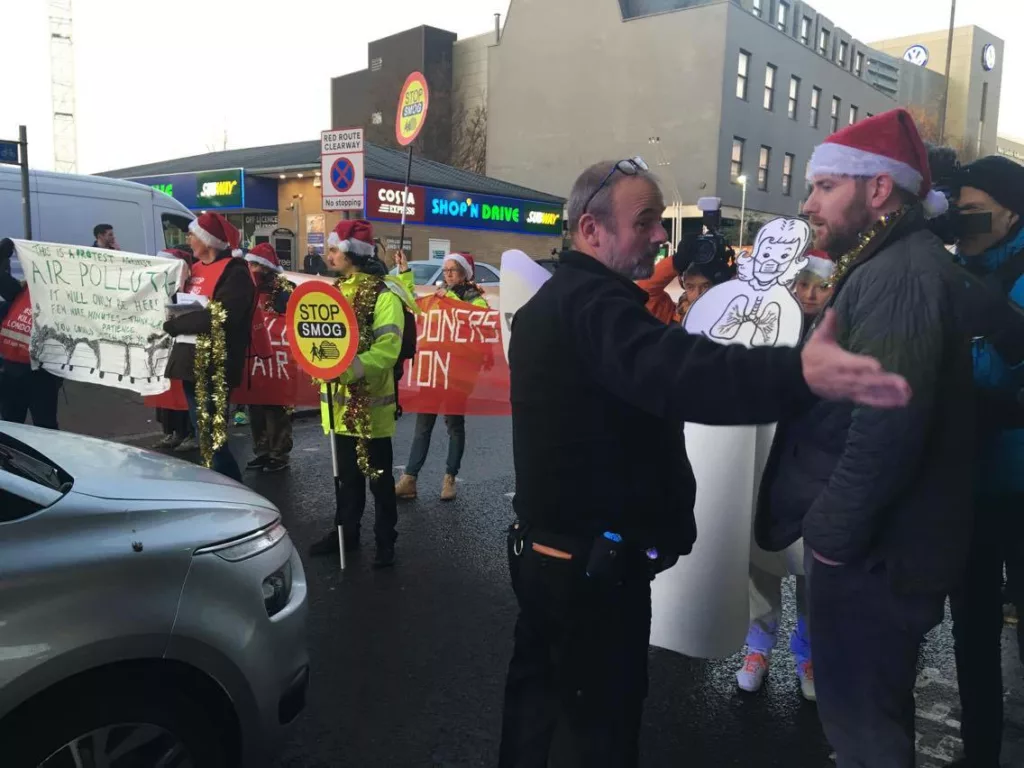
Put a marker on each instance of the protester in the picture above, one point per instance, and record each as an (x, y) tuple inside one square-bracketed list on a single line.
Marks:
[(103, 237), (813, 288), (459, 271), (223, 281), (598, 389), (364, 396), (22, 390), (178, 434), (881, 497), (994, 186), (313, 263), (271, 424)]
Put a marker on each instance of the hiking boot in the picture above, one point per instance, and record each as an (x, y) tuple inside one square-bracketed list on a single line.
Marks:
[(258, 463), (805, 673), (385, 557), (186, 445), (448, 488), (169, 442), (328, 545), (406, 487), (275, 465), (753, 672)]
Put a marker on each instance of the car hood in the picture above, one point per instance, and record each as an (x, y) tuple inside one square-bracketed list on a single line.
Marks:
[(109, 470)]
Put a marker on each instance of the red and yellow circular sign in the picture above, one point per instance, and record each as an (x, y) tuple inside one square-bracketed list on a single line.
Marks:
[(322, 330), (412, 109)]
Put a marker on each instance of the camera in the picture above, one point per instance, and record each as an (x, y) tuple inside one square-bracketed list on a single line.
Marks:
[(954, 223), (704, 248)]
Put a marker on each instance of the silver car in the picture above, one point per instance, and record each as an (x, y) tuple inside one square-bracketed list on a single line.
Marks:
[(152, 613)]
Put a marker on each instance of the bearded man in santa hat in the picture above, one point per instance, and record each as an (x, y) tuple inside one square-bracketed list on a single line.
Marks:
[(881, 497)]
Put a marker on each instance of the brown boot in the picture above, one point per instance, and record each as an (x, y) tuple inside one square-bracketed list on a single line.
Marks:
[(406, 487), (448, 488)]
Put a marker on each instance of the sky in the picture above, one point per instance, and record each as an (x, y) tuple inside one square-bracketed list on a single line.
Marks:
[(158, 80)]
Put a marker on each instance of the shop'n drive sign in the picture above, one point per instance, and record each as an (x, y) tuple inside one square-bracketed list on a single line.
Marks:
[(341, 168), (322, 330), (384, 201)]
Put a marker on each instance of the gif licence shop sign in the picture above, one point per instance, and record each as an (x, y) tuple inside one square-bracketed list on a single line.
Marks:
[(462, 210)]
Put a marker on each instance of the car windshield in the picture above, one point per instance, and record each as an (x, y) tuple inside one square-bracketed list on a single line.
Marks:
[(21, 460), (422, 273)]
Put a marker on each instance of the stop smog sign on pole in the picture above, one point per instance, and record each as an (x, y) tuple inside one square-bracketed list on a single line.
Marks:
[(410, 116), (323, 335)]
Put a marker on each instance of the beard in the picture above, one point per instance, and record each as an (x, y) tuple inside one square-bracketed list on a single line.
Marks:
[(840, 235)]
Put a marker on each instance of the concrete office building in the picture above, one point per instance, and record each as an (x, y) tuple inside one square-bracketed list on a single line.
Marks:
[(1010, 148), (705, 90)]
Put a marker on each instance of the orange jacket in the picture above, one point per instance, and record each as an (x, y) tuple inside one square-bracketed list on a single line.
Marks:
[(659, 303)]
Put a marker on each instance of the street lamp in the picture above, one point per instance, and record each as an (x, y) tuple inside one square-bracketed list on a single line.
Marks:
[(742, 181)]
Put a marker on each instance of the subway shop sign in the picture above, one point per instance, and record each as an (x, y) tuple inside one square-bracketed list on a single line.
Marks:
[(220, 189), (449, 208)]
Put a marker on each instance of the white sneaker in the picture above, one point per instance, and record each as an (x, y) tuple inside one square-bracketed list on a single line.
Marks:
[(805, 671), (753, 672), (186, 445)]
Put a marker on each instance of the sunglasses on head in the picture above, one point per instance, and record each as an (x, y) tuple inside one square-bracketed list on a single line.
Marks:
[(629, 167)]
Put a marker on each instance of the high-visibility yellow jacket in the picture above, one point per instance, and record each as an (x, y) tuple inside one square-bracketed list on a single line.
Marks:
[(376, 365)]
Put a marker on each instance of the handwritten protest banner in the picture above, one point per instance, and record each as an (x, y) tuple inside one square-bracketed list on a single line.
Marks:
[(97, 315)]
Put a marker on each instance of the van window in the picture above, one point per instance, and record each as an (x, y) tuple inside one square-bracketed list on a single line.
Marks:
[(175, 229)]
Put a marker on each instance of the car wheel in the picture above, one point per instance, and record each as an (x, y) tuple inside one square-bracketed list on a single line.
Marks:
[(119, 727)]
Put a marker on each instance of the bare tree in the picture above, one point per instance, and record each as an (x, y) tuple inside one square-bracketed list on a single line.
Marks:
[(469, 138)]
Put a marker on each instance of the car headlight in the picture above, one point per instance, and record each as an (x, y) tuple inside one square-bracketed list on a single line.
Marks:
[(248, 547), (277, 589)]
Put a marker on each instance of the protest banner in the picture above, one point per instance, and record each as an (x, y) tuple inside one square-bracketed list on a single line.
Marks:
[(98, 315)]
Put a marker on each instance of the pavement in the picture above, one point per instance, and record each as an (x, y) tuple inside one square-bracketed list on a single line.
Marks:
[(408, 664)]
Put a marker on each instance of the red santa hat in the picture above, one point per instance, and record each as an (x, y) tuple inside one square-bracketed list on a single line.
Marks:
[(819, 264), (353, 236), (264, 255), (217, 232), (884, 144), (464, 260)]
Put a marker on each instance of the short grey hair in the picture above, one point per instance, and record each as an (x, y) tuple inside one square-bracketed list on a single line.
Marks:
[(601, 206)]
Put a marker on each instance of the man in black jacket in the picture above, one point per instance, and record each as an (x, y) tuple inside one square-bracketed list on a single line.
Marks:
[(598, 388), (882, 498)]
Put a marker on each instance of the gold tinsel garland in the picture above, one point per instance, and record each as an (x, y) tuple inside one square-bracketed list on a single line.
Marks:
[(211, 363), (848, 259)]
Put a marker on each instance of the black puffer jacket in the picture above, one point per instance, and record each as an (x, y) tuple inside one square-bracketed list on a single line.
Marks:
[(866, 486)]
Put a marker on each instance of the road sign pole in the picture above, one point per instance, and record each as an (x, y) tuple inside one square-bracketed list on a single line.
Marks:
[(334, 470), (26, 205), (405, 202)]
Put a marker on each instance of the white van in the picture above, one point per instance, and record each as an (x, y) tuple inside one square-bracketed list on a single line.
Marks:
[(66, 207)]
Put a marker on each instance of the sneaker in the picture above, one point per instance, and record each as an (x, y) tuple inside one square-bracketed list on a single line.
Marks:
[(170, 441), (328, 545), (258, 463), (275, 465), (406, 487), (805, 672), (755, 668), (241, 419), (385, 557), (186, 445), (448, 488)]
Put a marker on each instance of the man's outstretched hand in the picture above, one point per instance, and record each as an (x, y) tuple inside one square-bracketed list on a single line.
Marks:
[(835, 374)]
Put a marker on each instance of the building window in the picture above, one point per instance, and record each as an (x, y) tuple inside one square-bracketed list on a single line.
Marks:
[(782, 16), (858, 64), (794, 96), (869, 115), (787, 174), (844, 47), (757, 8), (823, 40), (836, 104), (742, 72), (805, 30), (815, 106), (982, 116), (736, 165), (853, 114), (763, 163), (769, 87)]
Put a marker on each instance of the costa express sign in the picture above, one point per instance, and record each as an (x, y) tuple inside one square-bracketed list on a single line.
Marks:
[(384, 202), (448, 208)]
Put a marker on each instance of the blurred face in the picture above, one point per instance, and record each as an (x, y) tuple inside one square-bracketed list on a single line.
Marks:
[(628, 242), (812, 294), (258, 271), (453, 274), (106, 239), (1003, 220), (338, 262), (694, 286), (838, 212), (199, 249)]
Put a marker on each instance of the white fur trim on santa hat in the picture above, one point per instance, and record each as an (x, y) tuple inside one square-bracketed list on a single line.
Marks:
[(206, 237), (463, 262), (819, 266), (352, 245), (263, 262), (832, 159), (935, 204)]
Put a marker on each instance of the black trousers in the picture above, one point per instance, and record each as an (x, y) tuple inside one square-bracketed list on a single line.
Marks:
[(578, 677), (352, 490), (24, 391), (866, 642), (978, 624)]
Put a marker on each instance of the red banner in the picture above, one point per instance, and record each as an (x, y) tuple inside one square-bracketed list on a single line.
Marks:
[(459, 368)]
